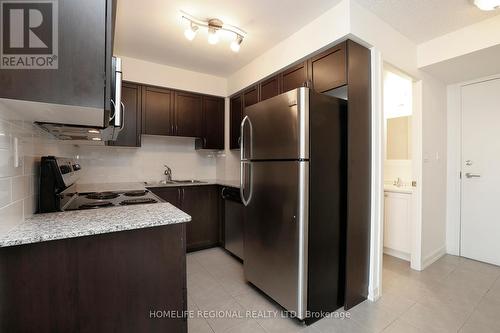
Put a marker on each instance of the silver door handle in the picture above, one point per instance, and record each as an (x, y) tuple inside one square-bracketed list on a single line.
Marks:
[(244, 200), (242, 138), (472, 175)]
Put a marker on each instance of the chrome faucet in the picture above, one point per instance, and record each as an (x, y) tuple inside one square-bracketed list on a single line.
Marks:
[(398, 182), (168, 173)]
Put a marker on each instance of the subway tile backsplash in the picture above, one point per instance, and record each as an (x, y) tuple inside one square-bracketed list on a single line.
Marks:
[(21, 146)]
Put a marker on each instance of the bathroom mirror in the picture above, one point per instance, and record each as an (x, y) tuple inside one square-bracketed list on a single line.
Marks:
[(399, 138)]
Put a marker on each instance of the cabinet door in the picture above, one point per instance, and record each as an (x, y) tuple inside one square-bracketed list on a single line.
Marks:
[(397, 224), (130, 135), (235, 112), (157, 117), (251, 96), (294, 77), (270, 88), (201, 202), (83, 63), (328, 69), (169, 194), (213, 122), (188, 114)]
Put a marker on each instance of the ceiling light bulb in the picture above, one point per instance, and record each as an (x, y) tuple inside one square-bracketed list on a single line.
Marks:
[(487, 4), (93, 131), (190, 31), (213, 37), (236, 44), (96, 139)]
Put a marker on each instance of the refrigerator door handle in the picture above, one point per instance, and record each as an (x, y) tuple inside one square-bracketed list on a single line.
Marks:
[(243, 156), (244, 200)]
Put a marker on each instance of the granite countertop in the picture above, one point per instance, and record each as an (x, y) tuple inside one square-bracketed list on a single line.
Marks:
[(69, 224)]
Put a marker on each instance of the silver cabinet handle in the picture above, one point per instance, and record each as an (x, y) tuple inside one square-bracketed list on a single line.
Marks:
[(472, 175)]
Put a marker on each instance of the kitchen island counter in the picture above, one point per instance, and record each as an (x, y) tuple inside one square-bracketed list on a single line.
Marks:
[(70, 224)]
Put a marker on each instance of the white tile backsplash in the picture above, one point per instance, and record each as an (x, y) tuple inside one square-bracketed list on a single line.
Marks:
[(113, 165), (11, 215), (5, 191), (21, 146), (19, 181)]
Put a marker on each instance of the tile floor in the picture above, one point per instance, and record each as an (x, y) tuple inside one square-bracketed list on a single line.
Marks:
[(452, 295)]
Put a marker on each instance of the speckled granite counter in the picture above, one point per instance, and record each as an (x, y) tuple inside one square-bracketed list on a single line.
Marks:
[(52, 226)]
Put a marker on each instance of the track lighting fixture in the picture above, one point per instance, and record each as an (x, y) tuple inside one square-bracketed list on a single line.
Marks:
[(236, 43), (190, 32), (215, 28)]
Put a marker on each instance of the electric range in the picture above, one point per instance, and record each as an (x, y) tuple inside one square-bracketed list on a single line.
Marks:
[(57, 190), (94, 200)]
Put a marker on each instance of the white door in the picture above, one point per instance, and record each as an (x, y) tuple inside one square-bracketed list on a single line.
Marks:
[(480, 225)]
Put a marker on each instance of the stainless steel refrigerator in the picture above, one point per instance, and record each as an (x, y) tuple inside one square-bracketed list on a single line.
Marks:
[(293, 186)]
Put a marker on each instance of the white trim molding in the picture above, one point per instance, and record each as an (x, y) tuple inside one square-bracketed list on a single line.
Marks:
[(377, 184), (433, 257)]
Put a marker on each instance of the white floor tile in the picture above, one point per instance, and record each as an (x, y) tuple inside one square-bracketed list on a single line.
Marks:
[(452, 294)]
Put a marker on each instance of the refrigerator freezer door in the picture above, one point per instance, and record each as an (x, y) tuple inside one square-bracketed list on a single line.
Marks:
[(275, 234), (277, 128)]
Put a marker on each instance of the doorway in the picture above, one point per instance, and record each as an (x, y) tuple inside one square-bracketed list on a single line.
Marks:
[(402, 167), (480, 179)]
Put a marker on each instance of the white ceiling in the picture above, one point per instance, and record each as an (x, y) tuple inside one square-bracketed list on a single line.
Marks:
[(152, 30), (422, 20)]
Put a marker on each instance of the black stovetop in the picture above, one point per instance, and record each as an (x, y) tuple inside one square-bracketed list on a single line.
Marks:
[(94, 200)]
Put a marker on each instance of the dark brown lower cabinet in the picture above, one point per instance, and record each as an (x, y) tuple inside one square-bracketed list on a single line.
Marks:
[(202, 203), (115, 282)]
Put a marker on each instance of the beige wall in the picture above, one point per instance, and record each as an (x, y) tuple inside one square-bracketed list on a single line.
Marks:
[(434, 110), (141, 71)]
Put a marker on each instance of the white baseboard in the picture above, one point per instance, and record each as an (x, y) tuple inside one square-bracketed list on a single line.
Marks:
[(433, 257), (397, 254)]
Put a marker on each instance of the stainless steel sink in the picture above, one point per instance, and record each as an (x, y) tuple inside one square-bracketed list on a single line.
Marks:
[(174, 182), (188, 181)]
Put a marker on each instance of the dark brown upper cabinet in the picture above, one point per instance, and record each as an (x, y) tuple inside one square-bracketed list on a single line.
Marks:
[(130, 135), (328, 69), (235, 117), (85, 47), (294, 77), (157, 111), (188, 114), (270, 88), (213, 124), (251, 96)]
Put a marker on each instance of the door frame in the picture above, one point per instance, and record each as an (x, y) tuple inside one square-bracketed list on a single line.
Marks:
[(377, 183), (416, 166), (454, 163)]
